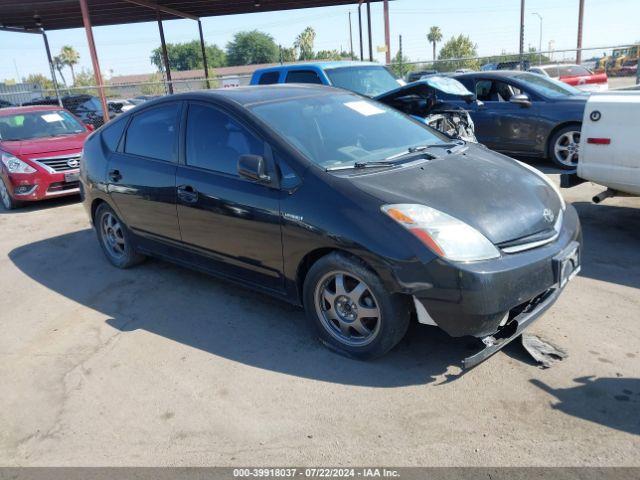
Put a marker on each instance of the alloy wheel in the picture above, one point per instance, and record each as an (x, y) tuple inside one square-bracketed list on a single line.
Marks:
[(567, 148), (347, 308), (113, 235)]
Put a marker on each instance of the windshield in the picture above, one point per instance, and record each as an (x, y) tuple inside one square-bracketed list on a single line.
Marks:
[(448, 85), (48, 123), (547, 86), (371, 80), (340, 129)]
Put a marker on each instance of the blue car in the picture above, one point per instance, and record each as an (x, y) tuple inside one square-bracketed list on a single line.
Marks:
[(427, 100)]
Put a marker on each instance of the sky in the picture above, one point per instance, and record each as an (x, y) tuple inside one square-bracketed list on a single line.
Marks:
[(492, 24)]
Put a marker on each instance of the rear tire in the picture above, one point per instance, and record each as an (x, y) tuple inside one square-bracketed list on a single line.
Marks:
[(351, 311), (564, 147), (115, 238), (6, 199)]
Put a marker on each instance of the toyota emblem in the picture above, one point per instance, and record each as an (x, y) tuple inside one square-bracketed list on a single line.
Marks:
[(73, 163), (548, 215)]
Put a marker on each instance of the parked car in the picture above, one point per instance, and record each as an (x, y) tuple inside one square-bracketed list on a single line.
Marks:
[(120, 105), (575, 75), (86, 107), (338, 203), (418, 74), (5, 104), (525, 114), (40, 152), (426, 99), (608, 151)]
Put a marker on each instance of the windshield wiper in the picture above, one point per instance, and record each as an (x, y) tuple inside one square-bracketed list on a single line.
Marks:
[(422, 148), (369, 164)]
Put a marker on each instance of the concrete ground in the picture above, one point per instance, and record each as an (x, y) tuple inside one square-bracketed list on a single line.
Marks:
[(159, 365)]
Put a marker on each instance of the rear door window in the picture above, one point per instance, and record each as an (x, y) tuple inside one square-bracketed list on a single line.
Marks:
[(153, 133), (303, 76)]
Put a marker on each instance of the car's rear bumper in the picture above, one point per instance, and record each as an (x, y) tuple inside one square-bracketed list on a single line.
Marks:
[(41, 185), (480, 299)]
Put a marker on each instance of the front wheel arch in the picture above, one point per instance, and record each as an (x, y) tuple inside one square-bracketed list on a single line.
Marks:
[(312, 257)]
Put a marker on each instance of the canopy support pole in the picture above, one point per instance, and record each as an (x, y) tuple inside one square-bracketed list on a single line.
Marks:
[(165, 57), (204, 55), (51, 67), (94, 58)]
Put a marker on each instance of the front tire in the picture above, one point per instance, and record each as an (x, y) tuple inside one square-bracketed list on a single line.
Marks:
[(564, 147), (351, 311), (5, 198), (115, 239)]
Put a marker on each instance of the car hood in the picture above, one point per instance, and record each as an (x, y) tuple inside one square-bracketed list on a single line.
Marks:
[(44, 145), (426, 87), (493, 193)]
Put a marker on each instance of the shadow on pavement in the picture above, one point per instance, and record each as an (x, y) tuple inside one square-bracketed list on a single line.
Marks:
[(612, 402), (223, 319), (41, 205), (611, 239)]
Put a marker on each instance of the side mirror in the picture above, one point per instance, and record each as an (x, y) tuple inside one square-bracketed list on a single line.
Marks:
[(253, 167), (521, 99), (90, 126)]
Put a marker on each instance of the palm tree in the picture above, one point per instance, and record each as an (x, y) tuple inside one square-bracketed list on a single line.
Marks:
[(70, 57), (434, 36), (304, 43), (59, 63)]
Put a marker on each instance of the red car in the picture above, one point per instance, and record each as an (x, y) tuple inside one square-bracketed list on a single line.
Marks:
[(575, 75), (40, 149)]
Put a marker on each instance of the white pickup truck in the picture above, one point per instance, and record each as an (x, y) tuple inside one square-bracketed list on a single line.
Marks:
[(609, 145)]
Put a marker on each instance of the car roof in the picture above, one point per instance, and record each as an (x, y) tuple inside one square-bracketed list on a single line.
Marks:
[(253, 94), (30, 108)]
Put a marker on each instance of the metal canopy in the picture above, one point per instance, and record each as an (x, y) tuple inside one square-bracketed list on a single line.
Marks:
[(61, 14)]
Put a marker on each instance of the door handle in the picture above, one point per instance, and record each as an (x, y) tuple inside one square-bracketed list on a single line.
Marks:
[(115, 175), (187, 194)]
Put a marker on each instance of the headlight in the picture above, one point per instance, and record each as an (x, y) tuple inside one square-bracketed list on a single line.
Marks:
[(445, 235), (15, 165), (563, 204)]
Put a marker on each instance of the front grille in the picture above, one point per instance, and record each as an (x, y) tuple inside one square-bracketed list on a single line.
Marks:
[(59, 164), (533, 241)]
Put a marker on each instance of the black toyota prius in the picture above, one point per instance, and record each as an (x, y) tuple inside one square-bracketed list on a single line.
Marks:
[(337, 203)]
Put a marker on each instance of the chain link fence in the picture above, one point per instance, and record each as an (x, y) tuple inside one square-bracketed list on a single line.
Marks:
[(620, 63)]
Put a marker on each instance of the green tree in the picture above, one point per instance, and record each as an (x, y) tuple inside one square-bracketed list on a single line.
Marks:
[(70, 57), (304, 43), (400, 65), (252, 47), (460, 47), (434, 36), (332, 55), (58, 64), (188, 56), (39, 79), (288, 55)]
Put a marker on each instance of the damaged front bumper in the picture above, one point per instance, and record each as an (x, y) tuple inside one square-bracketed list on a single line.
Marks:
[(496, 300)]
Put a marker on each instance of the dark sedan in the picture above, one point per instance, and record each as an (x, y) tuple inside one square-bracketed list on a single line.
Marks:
[(525, 114), (337, 203)]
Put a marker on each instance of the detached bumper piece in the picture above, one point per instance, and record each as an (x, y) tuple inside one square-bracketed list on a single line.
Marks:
[(520, 318)]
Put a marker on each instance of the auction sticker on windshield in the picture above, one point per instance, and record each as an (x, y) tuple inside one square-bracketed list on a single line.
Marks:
[(364, 108), (52, 117)]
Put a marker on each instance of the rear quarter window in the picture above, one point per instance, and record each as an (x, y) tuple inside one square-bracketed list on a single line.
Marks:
[(269, 78), (112, 133), (303, 76)]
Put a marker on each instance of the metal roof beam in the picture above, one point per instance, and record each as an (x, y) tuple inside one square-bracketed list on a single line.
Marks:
[(160, 8)]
